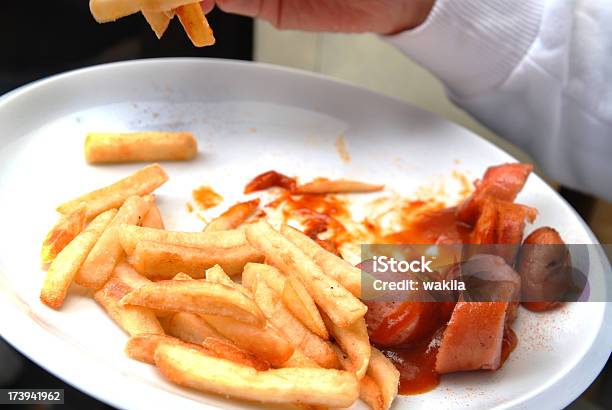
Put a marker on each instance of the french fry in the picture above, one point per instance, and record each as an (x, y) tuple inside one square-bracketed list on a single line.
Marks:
[(267, 343), (125, 273), (386, 376), (296, 333), (105, 11), (225, 349), (64, 231), (189, 327), (134, 320), (142, 347), (142, 182), (272, 276), (327, 186), (65, 266), (147, 146), (196, 297), (101, 261), (163, 260), (217, 275), (190, 368), (299, 359), (153, 218), (338, 303), (332, 265), (209, 241), (158, 21), (370, 393), (195, 24), (233, 217), (355, 342), (297, 299)]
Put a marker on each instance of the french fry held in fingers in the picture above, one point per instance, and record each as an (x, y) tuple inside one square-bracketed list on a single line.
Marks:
[(158, 21), (386, 376), (134, 320), (296, 333), (196, 296), (105, 11), (332, 265), (355, 342), (189, 327), (311, 386), (327, 186), (338, 303), (158, 260), (147, 146), (195, 24), (233, 217), (65, 266), (64, 231), (209, 241), (141, 182), (266, 342), (153, 218), (101, 261)]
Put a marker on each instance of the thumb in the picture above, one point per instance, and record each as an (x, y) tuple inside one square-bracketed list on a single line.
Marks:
[(207, 5), (249, 8)]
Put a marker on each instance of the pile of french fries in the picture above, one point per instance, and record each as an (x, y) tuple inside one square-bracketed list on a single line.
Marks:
[(240, 309), (158, 14)]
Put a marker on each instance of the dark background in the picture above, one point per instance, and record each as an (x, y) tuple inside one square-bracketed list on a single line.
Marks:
[(42, 38)]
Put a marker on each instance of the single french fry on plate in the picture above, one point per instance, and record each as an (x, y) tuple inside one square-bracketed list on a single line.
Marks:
[(299, 302), (224, 349), (327, 186), (209, 241), (195, 24), (149, 146), (295, 332), (142, 347), (64, 231), (355, 342), (233, 217), (134, 320), (332, 265), (272, 276), (103, 258), (266, 342), (158, 260), (189, 327), (197, 296), (310, 386), (385, 374), (142, 182), (66, 265), (340, 305), (153, 218)]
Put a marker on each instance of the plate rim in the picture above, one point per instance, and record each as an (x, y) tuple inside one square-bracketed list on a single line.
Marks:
[(566, 391)]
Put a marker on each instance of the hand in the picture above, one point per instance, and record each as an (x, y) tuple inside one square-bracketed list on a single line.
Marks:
[(349, 16)]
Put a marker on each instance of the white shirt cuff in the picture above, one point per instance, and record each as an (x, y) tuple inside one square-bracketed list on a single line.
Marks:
[(473, 45)]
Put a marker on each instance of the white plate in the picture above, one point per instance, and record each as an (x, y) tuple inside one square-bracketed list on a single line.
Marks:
[(248, 118)]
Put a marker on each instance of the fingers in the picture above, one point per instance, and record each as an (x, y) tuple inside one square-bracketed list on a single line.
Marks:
[(249, 8), (207, 5)]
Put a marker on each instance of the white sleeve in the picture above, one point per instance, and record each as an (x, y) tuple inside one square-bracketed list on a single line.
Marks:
[(537, 72)]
